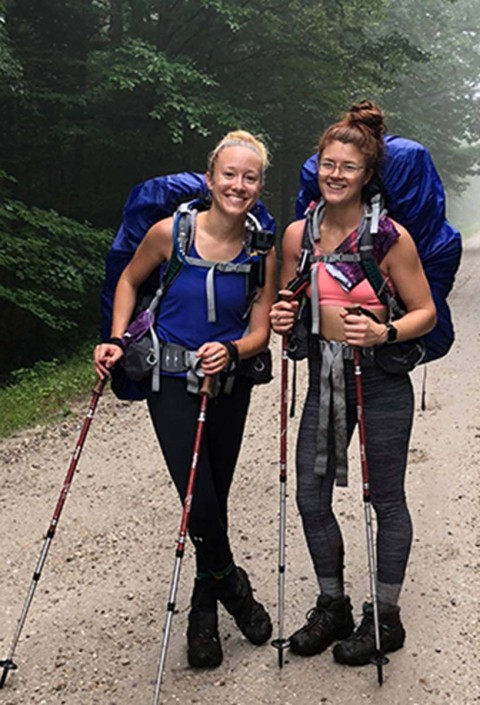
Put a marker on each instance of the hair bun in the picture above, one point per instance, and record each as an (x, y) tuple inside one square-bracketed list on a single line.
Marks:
[(368, 114)]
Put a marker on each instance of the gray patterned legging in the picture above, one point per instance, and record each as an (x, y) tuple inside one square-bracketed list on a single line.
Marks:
[(388, 412)]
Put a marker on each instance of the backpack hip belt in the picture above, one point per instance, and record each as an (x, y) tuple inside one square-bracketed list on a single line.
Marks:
[(176, 358)]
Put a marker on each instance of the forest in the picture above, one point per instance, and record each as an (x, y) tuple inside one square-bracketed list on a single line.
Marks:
[(99, 95)]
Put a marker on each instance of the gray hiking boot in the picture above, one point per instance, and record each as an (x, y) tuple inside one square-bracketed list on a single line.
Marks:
[(331, 619), (359, 648)]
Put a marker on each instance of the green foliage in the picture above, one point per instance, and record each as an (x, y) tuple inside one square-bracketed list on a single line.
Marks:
[(51, 263), (437, 100), (51, 268), (10, 67), (99, 95), (116, 90), (180, 95), (44, 392)]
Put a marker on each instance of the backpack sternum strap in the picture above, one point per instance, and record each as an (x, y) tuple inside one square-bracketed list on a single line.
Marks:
[(334, 257), (226, 267)]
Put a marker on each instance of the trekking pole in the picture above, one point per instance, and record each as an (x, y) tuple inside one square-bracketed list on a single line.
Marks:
[(206, 393), (296, 287), (281, 643), (8, 664), (379, 660)]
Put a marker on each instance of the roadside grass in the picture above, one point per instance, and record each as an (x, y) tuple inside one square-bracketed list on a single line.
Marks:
[(42, 393)]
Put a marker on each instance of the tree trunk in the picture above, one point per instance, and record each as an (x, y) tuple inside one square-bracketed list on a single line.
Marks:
[(116, 22)]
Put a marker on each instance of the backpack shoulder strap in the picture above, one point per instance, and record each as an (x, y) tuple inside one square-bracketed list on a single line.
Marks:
[(258, 242), (311, 235), (368, 229), (183, 229)]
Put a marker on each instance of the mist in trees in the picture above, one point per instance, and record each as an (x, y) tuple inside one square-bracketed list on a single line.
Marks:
[(98, 95), (464, 208)]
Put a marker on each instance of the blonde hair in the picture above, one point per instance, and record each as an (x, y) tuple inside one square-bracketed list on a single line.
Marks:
[(240, 138)]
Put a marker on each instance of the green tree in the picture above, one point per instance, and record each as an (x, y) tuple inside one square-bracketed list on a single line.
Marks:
[(98, 95), (51, 269), (437, 100)]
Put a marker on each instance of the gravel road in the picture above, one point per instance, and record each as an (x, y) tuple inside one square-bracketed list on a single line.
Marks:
[(94, 630)]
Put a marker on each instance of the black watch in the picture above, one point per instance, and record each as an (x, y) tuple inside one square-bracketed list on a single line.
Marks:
[(392, 333)]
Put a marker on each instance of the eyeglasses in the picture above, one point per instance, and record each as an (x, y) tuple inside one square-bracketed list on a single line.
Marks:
[(328, 167)]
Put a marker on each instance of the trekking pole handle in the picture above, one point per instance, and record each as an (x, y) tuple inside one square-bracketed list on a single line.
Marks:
[(99, 386), (286, 295), (294, 288), (207, 387)]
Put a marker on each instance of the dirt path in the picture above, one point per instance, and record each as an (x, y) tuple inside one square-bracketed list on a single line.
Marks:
[(93, 632)]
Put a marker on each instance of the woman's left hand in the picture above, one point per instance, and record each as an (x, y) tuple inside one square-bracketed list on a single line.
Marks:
[(215, 357), (105, 356), (362, 331)]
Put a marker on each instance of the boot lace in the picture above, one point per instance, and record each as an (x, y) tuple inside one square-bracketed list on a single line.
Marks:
[(365, 631), (316, 616)]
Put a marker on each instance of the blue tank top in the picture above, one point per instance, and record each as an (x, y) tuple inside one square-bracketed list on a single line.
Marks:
[(183, 316)]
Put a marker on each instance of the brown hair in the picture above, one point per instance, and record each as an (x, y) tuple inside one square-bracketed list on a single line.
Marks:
[(362, 125), (240, 138)]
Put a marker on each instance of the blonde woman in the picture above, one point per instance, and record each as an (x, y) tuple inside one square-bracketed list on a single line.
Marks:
[(235, 178)]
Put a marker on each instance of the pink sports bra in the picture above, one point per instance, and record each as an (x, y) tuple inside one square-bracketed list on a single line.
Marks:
[(331, 293)]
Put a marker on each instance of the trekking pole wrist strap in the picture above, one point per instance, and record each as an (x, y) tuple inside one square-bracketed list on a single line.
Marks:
[(116, 341), (232, 351)]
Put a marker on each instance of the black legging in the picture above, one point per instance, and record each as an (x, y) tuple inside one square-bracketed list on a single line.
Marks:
[(388, 412), (174, 413)]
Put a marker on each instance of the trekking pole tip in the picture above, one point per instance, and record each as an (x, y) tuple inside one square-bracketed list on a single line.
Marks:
[(7, 666), (281, 645), (379, 660)]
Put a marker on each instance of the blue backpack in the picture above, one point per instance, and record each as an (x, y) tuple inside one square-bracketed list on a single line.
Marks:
[(148, 203), (414, 197)]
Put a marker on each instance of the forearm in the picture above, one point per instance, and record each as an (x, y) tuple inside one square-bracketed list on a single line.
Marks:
[(258, 335), (415, 324), (361, 330), (252, 343), (123, 306)]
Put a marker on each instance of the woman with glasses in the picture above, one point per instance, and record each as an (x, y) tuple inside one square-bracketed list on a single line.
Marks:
[(349, 316)]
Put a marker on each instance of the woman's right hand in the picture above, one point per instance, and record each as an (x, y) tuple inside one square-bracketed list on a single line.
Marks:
[(283, 313), (105, 356)]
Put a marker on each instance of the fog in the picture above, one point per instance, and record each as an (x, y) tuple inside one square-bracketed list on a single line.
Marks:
[(463, 211)]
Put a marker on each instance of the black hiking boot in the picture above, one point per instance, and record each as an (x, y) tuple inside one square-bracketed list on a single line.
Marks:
[(204, 647), (331, 619), (235, 593), (359, 648)]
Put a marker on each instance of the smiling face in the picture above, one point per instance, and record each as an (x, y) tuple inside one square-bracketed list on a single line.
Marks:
[(342, 173), (237, 179)]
